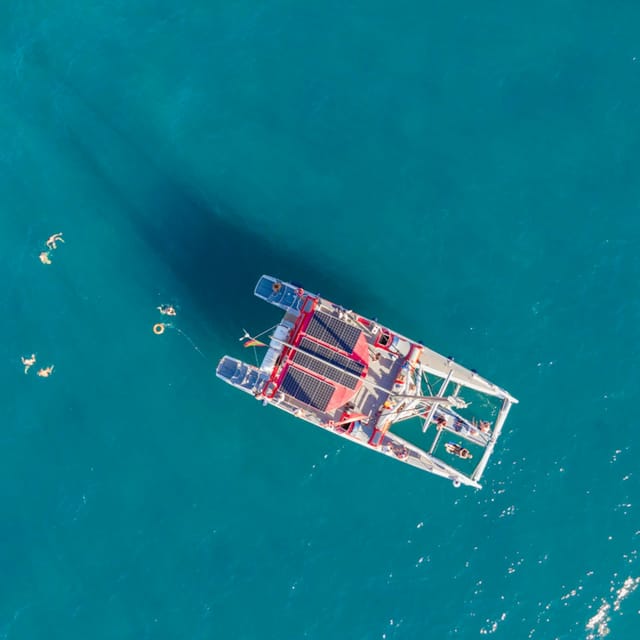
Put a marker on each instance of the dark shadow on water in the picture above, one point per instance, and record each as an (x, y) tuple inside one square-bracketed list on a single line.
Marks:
[(208, 246), (219, 261)]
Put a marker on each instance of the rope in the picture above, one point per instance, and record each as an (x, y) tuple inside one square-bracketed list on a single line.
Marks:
[(265, 331), (191, 342)]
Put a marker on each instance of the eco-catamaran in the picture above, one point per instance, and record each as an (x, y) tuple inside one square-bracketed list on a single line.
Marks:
[(357, 379)]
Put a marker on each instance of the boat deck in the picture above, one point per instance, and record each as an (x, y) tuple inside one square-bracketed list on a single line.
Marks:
[(353, 377)]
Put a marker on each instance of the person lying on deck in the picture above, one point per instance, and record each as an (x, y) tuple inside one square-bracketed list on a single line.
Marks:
[(441, 422), (458, 450)]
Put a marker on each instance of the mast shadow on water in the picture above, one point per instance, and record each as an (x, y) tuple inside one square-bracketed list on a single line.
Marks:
[(206, 244)]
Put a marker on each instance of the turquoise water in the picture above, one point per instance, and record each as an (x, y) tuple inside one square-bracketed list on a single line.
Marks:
[(466, 172)]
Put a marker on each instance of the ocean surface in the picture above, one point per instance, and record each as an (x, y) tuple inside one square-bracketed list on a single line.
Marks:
[(467, 172)]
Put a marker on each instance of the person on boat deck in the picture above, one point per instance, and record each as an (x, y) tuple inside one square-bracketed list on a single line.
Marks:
[(458, 450), (441, 422), (399, 450), (167, 310)]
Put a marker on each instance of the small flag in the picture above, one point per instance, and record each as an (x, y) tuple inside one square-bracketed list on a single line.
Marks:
[(254, 343)]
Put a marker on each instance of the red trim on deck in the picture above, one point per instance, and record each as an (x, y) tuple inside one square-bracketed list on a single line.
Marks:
[(347, 421), (386, 347), (361, 353), (376, 438), (341, 394), (277, 373)]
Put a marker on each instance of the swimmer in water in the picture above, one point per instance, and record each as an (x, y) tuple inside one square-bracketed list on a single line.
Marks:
[(46, 372), (167, 310), (51, 242), (28, 362), (44, 257)]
